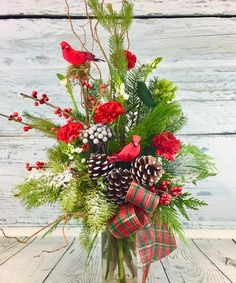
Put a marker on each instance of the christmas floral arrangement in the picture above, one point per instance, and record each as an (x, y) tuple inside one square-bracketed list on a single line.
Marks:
[(117, 166)]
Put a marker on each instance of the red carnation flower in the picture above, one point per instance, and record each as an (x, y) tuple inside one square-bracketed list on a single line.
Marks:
[(166, 145), (108, 112), (131, 59), (69, 132)]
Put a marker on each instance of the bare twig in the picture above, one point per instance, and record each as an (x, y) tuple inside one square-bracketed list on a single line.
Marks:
[(72, 26), (34, 234), (45, 102), (64, 237), (10, 118), (90, 23), (128, 40)]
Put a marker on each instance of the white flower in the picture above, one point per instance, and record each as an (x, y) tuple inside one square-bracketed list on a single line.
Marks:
[(78, 150), (120, 91)]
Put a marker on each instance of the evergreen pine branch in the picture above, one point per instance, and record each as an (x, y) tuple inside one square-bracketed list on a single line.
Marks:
[(99, 209), (169, 216), (190, 202), (191, 165), (127, 14), (71, 199), (160, 118), (176, 123), (41, 124), (53, 227), (187, 201), (135, 108), (57, 159), (36, 192)]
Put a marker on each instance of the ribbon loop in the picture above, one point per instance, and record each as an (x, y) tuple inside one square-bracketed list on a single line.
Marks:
[(127, 221), (143, 198)]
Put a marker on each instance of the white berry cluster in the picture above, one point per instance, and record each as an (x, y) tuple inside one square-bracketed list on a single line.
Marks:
[(96, 134)]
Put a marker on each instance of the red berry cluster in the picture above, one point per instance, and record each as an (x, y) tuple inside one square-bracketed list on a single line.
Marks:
[(102, 88), (165, 199), (39, 165), (44, 98), (65, 113), (164, 186), (87, 85), (15, 116), (27, 128), (167, 192), (176, 191)]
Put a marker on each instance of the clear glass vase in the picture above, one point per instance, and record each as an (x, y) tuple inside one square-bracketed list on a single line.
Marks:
[(118, 259)]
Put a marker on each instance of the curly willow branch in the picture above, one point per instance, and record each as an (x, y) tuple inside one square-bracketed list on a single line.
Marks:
[(72, 27), (34, 234), (66, 243)]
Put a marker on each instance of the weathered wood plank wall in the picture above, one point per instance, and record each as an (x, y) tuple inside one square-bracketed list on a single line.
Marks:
[(199, 56), (147, 7)]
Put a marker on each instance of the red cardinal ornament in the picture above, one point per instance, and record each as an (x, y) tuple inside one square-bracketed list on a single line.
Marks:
[(75, 57), (127, 153)]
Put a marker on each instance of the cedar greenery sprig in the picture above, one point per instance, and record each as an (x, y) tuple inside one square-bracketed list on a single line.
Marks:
[(191, 165)]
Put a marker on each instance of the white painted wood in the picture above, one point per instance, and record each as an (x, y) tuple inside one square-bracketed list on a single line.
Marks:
[(6, 244), (222, 253), (156, 273), (8, 252), (71, 266), (148, 7), (199, 56), (73, 231), (219, 191), (27, 267), (190, 265), (202, 261)]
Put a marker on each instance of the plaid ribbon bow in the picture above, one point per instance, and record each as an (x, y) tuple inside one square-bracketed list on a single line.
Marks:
[(153, 241)]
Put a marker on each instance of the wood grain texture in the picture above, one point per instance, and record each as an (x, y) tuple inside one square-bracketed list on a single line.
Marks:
[(200, 57), (10, 251), (71, 267), (148, 7), (28, 267), (218, 191), (201, 262), (222, 253), (191, 266)]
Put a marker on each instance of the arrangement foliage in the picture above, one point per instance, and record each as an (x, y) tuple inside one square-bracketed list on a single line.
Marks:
[(120, 130)]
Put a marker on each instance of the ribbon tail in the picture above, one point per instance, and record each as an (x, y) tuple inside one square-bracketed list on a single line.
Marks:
[(145, 242), (154, 242)]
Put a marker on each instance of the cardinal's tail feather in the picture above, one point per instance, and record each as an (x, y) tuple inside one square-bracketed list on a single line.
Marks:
[(99, 60)]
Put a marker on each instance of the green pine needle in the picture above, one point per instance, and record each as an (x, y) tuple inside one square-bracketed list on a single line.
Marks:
[(162, 117), (41, 124), (191, 165)]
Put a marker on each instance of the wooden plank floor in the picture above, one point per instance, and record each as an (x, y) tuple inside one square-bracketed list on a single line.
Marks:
[(204, 261)]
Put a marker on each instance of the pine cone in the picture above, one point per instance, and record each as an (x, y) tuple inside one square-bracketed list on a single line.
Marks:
[(98, 165), (146, 170), (119, 181)]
